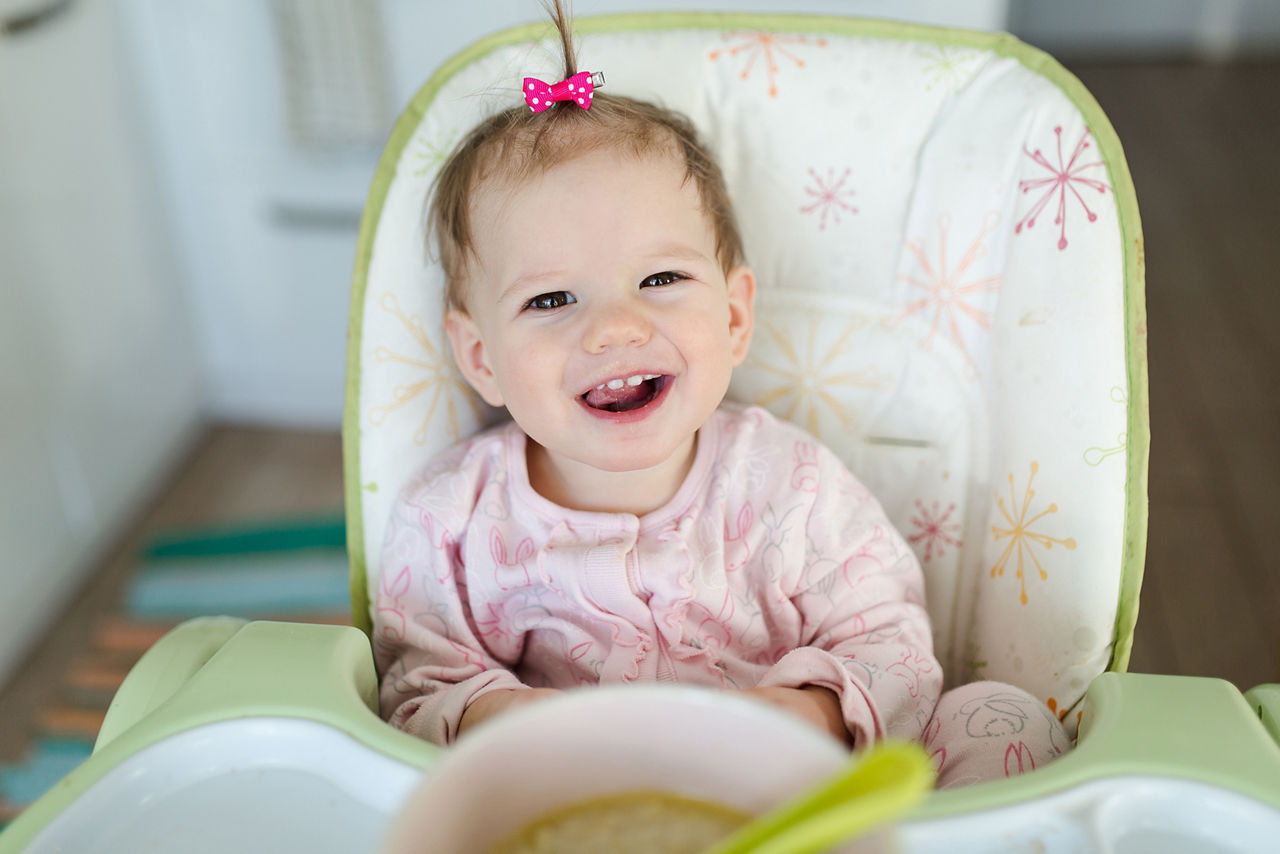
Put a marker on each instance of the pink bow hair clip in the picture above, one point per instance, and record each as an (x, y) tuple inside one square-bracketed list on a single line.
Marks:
[(578, 89)]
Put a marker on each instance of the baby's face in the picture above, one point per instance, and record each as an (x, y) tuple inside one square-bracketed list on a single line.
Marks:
[(598, 312)]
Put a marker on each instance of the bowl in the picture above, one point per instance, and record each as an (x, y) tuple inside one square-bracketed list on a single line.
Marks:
[(708, 745)]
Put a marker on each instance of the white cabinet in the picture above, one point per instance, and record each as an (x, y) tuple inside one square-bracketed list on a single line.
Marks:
[(99, 378)]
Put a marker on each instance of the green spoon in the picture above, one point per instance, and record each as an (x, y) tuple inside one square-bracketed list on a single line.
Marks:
[(878, 786)]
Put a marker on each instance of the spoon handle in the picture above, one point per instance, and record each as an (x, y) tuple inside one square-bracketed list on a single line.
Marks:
[(877, 787)]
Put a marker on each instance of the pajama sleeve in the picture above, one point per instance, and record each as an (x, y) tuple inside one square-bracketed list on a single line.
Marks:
[(860, 593), (428, 646)]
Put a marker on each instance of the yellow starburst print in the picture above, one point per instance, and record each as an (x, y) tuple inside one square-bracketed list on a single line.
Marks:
[(431, 154), (1022, 540), (436, 374), (948, 66), (949, 296), (808, 382), (769, 46)]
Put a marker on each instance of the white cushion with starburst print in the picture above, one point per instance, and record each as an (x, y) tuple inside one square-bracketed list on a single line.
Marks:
[(942, 299)]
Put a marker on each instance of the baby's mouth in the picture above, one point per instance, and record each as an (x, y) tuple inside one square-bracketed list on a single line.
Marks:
[(624, 395)]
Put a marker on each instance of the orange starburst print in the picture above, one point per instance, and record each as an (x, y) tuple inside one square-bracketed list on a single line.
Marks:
[(767, 46), (807, 380), (950, 295), (433, 373), (1022, 539)]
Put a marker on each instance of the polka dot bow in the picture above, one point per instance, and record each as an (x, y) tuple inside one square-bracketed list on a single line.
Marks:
[(578, 89)]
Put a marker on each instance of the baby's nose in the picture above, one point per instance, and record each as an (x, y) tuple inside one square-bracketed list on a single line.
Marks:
[(617, 325)]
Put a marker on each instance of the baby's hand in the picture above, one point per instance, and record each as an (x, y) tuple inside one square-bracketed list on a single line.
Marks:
[(813, 703), (496, 702)]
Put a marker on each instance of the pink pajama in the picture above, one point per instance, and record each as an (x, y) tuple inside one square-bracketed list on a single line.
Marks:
[(771, 566), (988, 731)]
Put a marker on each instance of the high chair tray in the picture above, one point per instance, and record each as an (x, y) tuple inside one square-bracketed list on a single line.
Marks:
[(263, 737)]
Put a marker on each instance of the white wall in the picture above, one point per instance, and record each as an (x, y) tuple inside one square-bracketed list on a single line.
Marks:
[(269, 293), (99, 381)]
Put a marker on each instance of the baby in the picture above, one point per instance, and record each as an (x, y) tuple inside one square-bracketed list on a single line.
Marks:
[(628, 524)]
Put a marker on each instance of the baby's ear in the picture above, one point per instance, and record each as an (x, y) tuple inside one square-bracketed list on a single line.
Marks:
[(470, 355), (742, 301)]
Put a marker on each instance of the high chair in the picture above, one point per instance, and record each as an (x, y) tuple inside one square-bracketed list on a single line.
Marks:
[(950, 271)]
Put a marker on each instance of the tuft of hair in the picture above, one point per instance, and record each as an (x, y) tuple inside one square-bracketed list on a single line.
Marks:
[(516, 144), (561, 19)]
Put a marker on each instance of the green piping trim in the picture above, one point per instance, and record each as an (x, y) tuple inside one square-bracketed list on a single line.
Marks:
[(1001, 44)]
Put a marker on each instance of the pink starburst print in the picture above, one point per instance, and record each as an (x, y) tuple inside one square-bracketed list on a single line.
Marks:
[(934, 529), (1063, 178), (767, 45), (948, 295), (827, 194)]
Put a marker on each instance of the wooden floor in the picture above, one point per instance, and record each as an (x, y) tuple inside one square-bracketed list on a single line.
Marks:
[(234, 474), (1202, 145), (1201, 142)]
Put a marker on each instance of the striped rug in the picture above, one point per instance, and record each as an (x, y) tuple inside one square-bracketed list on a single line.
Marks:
[(293, 570)]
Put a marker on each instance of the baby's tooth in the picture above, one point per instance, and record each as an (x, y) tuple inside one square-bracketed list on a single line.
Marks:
[(652, 376), (635, 381), (615, 384), (600, 387)]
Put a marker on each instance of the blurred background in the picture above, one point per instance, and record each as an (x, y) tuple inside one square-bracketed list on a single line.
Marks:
[(181, 183)]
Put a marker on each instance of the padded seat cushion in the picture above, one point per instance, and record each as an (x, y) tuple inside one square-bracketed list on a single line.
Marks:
[(948, 254)]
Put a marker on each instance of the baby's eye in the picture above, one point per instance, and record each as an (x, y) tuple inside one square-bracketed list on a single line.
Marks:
[(657, 280), (546, 302)]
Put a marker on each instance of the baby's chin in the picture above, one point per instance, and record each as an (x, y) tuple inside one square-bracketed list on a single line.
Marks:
[(618, 461), (620, 457)]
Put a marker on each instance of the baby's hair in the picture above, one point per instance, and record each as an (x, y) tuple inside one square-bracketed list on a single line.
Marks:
[(517, 144)]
